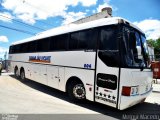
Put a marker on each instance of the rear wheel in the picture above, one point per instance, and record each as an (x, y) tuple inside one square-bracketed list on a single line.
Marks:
[(76, 91), (22, 75), (16, 72)]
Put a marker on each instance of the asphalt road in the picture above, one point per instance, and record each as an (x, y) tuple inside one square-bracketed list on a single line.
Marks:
[(31, 98)]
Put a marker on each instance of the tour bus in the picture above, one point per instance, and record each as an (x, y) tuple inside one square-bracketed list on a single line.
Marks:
[(104, 61)]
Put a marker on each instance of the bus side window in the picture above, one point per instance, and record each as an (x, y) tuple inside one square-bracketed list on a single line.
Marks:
[(32, 46), (23, 47), (58, 42), (11, 50), (73, 41), (43, 45), (87, 39), (17, 49), (82, 40)]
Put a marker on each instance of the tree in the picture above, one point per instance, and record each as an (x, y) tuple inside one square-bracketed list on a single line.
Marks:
[(156, 45), (151, 43)]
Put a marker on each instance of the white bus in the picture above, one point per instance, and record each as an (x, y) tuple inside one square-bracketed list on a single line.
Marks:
[(103, 61)]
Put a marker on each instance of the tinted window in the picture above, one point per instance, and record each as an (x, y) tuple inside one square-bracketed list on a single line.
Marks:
[(11, 49), (59, 42), (73, 41), (109, 52), (83, 40), (108, 38), (87, 39), (16, 48), (43, 45), (32, 46), (23, 48)]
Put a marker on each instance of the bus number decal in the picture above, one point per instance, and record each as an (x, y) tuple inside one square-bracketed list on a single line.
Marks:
[(89, 66)]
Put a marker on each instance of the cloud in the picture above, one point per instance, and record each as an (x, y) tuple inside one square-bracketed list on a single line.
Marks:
[(72, 16), (31, 10), (150, 27), (6, 17), (106, 4), (103, 6), (3, 39)]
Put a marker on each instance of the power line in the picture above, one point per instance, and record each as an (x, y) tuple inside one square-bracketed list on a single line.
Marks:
[(23, 23), (18, 30)]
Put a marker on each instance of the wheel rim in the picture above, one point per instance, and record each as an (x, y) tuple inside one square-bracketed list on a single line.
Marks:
[(79, 91)]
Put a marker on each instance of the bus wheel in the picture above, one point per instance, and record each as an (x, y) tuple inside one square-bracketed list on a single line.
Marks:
[(76, 91), (16, 72), (22, 75)]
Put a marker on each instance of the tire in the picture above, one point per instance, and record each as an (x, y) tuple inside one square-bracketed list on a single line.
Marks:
[(22, 76), (76, 91), (16, 72)]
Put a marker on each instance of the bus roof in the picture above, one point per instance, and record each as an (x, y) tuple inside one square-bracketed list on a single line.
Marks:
[(75, 27)]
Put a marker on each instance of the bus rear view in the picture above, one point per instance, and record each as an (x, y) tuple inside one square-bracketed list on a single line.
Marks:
[(127, 79)]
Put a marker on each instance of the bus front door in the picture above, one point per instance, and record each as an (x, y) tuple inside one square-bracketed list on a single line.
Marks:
[(106, 83)]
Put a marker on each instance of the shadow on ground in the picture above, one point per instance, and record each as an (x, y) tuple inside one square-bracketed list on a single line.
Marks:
[(140, 109)]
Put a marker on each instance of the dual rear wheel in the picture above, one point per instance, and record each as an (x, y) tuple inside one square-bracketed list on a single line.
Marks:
[(22, 74)]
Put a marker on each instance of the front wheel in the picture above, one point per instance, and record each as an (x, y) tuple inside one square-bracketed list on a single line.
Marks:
[(76, 91)]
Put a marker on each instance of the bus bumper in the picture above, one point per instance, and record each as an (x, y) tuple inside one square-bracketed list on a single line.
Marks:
[(128, 101)]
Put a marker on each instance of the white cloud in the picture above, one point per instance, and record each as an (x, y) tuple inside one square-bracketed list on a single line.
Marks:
[(31, 10), (3, 50), (106, 4), (3, 39), (100, 7), (150, 27), (6, 17), (72, 16)]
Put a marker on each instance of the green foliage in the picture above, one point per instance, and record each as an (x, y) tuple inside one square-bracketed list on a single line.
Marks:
[(155, 44), (151, 42)]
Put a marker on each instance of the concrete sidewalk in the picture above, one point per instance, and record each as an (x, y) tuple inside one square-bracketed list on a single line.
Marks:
[(5, 73)]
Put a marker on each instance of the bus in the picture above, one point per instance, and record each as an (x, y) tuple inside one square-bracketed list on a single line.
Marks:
[(104, 61)]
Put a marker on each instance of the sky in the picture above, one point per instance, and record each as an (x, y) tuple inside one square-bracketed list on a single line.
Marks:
[(20, 19)]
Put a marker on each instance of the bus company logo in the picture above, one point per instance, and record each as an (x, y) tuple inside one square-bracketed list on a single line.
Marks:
[(43, 59), (108, 80)]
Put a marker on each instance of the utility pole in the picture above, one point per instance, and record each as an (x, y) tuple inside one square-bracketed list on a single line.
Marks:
[(5, 60)]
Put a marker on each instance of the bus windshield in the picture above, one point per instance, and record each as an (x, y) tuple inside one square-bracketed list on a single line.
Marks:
[(134, 49)]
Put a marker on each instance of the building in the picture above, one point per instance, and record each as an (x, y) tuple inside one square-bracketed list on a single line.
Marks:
[(105, 13)]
